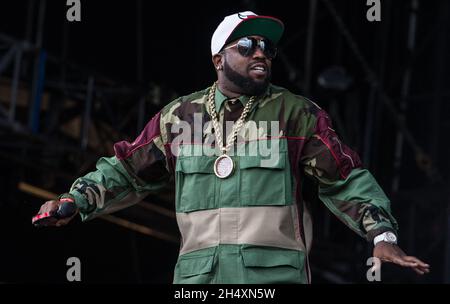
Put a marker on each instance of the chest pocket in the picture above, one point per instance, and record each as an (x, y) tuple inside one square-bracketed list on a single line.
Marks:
[(195, 183), (265, 181)]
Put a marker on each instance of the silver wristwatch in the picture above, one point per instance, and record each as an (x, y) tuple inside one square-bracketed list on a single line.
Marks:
[(388, 237)]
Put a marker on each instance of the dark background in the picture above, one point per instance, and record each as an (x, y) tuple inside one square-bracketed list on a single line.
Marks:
[(386, 87)]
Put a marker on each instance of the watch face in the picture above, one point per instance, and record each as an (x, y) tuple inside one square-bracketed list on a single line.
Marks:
[(391, 237)]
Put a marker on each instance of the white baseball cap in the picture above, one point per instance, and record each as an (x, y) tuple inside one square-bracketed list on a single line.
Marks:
[(245, 24)]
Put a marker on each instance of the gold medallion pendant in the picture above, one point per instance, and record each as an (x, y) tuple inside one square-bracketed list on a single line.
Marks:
[(223, 166)]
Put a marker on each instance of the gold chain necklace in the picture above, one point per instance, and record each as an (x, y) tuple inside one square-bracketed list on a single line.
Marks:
[(224, 165)]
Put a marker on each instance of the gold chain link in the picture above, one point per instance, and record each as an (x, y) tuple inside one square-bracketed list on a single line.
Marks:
[(236, 127)]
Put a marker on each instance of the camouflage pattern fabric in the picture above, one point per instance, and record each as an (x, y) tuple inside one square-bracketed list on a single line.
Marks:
[(254, 226)]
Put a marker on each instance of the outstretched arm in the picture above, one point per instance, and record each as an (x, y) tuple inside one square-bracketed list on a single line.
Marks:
[(136, 169), (351, 192)]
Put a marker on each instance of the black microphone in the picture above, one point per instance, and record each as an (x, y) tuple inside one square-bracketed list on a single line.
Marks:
[(65, 210)]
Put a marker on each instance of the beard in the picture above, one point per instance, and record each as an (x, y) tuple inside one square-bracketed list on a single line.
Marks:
[(247, 85)]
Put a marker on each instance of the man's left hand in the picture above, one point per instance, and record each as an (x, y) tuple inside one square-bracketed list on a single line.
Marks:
[(387, 252)]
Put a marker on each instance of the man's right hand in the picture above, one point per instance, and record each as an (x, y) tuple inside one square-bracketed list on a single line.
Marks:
[(51, 208)]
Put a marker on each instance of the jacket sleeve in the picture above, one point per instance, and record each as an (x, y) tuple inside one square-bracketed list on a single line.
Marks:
[(348, 190), (136, 170)]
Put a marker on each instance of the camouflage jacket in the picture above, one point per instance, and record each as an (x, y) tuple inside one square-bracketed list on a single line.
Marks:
[(252, 227)]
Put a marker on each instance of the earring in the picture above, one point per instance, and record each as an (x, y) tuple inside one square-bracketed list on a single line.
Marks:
[(219, 67)]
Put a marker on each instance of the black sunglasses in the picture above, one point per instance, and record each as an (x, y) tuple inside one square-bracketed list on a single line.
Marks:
[(247, 46)]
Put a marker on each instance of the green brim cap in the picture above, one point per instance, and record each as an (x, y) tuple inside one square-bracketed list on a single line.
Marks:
[(265, 26)]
